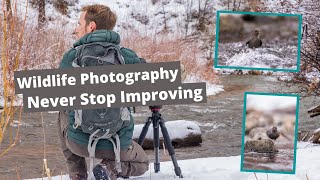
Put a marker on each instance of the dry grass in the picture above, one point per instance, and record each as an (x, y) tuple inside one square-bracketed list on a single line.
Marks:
[(24, 47), (10, 54), (165, 49)]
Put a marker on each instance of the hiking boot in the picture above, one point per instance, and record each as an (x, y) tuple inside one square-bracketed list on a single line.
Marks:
[(78, 177), (110, 169), (100, 173)]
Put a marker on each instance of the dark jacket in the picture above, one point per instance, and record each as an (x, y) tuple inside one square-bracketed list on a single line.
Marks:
[(130, 57)]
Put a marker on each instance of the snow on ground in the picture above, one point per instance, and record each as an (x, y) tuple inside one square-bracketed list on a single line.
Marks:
[(263, 58), (228, 168), (269, 102), (177, 129), (130, 13)]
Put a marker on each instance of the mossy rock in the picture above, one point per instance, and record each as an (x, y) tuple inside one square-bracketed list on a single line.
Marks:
[(260, 146)]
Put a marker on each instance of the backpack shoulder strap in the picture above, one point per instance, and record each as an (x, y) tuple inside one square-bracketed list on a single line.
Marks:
[(78, 49), (130, 56), (92, 144)]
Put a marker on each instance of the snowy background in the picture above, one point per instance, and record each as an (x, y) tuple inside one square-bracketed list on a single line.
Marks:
[(270, 102)]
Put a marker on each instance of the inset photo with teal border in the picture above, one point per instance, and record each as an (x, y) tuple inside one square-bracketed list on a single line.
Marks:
[(269, 133), (258, 41)]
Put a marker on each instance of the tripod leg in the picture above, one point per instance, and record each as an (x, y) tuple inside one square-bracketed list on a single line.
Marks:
[(167, 142), (156, 143), (144, 131)]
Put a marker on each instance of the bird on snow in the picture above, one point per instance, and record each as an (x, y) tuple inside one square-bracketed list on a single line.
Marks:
[(254, 41)]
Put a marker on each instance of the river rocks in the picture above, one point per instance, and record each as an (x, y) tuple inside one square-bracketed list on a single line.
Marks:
[(260, 146), (182, 134), (255, 72)]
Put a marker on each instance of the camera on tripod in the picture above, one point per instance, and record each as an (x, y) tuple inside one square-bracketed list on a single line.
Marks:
[(159, 124), (155, 108)]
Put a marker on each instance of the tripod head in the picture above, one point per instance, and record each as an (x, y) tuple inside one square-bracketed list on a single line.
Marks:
[(155, 109)]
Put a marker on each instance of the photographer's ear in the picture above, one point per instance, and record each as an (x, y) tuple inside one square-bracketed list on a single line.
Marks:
[(92, 26)]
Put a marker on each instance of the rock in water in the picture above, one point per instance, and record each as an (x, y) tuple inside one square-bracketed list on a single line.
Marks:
[(273, 133), (260, 146)]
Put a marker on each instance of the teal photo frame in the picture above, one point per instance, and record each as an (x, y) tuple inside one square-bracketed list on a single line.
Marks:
[(216, 51), (242, 169)]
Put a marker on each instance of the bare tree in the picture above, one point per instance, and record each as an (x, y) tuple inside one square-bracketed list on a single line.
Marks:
[(202, 9), (188, 9), (61, 6), (228, 4), (9, 10), (8, 3), (164, 18), (42, 13)]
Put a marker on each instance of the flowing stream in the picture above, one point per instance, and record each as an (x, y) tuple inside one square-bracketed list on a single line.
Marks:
[(220, 120)]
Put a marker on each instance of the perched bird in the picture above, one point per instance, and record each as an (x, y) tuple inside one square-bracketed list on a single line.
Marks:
[(254, 41), (273, 133)]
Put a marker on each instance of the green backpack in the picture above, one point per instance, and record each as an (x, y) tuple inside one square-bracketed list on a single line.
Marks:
[(101, 123)]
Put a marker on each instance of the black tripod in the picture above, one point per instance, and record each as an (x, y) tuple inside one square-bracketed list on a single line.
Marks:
[(157, 120)]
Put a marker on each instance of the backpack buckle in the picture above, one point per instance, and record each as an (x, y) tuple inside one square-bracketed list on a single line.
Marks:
[(75, 126), (100, 61)]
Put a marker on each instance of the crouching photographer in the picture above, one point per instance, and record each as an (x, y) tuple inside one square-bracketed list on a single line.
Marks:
[(80, 137)]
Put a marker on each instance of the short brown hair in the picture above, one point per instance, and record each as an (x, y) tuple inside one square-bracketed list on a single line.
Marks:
[(101, 15)]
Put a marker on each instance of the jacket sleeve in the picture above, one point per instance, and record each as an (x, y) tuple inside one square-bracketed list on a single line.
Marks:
[(142, 60), (67, 59), (130, 57)]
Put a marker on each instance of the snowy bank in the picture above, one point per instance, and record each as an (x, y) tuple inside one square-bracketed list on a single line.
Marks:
[(228, 168)]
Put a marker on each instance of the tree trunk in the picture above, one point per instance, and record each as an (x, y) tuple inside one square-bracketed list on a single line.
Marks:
[(42, 13), (9, 10), (164, 19)]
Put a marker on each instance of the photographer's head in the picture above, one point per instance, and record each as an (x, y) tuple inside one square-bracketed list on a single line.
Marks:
[(95, 17)]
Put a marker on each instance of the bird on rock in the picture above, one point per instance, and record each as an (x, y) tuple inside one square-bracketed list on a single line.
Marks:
[(273, 133)]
